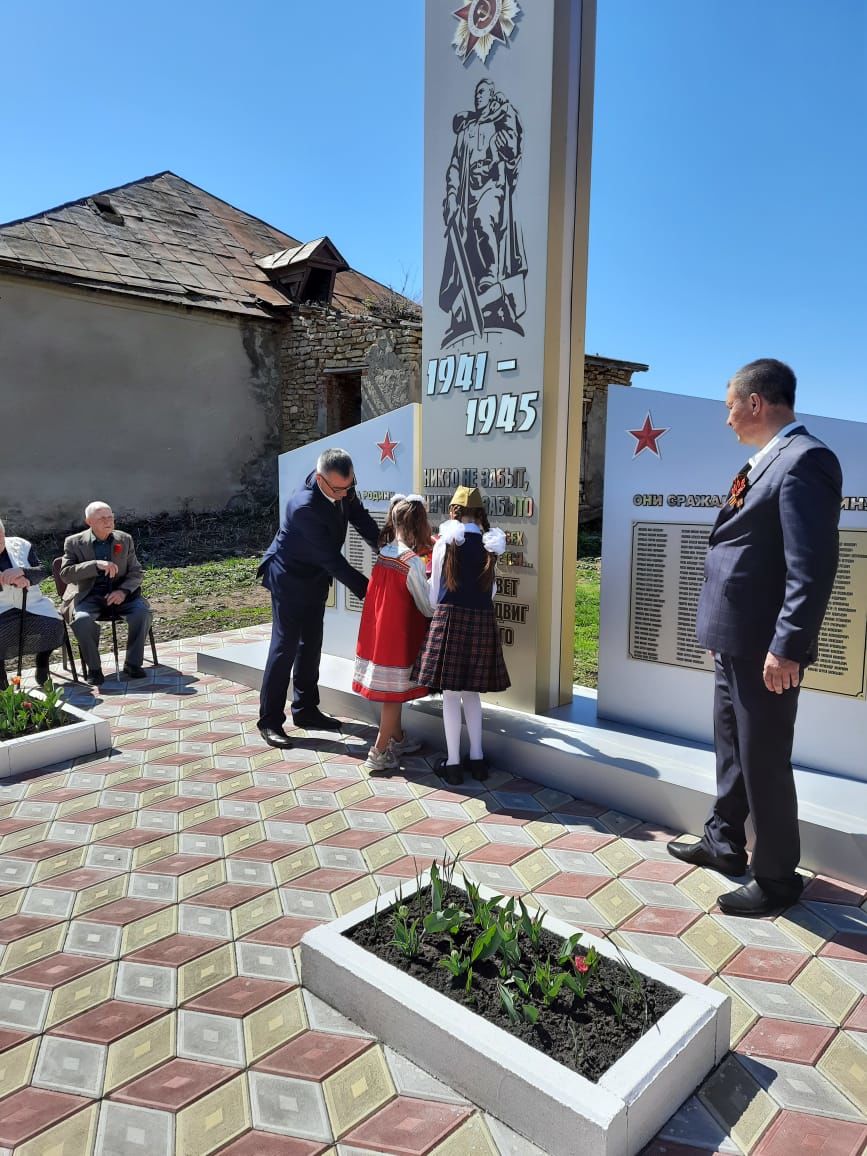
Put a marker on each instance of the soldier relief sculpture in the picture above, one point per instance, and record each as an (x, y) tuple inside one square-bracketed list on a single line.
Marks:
[(485, 268)]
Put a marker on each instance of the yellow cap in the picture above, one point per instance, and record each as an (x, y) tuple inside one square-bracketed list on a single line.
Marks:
[(470, 499)]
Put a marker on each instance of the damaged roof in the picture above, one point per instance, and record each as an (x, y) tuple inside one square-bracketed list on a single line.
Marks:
[(162, 237)]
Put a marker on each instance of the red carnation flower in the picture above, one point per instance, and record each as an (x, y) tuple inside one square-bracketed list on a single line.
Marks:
[(27, 705), (118, 548)]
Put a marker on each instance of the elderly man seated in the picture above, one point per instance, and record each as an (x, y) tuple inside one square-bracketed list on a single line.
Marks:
[(42, 629), (103, 577)]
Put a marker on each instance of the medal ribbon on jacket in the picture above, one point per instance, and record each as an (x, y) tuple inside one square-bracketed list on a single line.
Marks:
[(738, 488)]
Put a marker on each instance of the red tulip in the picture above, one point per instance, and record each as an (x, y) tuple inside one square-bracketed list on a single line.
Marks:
[(580, 964)]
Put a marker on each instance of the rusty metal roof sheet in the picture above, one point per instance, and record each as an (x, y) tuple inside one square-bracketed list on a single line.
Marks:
[(162, 237)]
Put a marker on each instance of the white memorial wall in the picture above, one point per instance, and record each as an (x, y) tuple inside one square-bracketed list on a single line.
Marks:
[(669, 460)]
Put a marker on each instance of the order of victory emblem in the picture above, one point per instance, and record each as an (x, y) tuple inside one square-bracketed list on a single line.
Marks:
[(483, 23)]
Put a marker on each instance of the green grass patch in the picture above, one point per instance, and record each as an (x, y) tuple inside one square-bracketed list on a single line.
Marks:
[(226, 595), (585, 661)]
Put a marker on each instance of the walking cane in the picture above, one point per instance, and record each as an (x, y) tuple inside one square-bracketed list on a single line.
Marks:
[(21, 629), (113, 619)]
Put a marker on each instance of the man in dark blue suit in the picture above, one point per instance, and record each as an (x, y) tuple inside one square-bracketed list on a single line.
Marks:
[(770, 567), (298, 568)]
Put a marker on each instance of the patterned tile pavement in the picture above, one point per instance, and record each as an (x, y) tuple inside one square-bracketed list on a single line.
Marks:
[(151, 904)]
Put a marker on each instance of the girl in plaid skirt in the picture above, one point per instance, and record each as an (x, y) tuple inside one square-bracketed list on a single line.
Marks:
[(462, 655), (393, 625)]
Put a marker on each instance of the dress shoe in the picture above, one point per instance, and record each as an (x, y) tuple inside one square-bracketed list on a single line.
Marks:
[(478, 768), (315, 720), (453, 773), (132, 671), (275, 737), (699, 856), (755, 899), (95, 677)]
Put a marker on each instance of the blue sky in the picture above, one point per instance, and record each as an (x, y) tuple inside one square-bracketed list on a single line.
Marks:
[(729, 174)]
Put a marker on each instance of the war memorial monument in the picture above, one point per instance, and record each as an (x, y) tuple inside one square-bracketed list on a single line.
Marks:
[(508, 113)]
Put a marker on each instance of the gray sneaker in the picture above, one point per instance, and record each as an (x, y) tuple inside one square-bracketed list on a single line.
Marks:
[(407, 745), (380, 760)]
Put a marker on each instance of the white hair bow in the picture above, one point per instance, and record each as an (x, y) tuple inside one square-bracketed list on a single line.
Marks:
[(395, 498), (494, 541), (452, 531)]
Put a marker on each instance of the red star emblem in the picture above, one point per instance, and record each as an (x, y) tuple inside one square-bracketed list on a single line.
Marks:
[(387, 448), (647, 437)]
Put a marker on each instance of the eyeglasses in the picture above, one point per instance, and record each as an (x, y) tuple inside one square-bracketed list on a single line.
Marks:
[(336, 489)]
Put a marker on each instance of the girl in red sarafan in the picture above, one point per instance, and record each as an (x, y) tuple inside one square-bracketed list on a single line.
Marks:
[(393, 625)]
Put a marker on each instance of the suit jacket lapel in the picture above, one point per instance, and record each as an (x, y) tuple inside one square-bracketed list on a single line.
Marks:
[(770, 458), (728, 512), (87, 546), (766, 462)]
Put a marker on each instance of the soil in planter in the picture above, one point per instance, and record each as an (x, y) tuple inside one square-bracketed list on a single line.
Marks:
[(65, 720), (588, 1037)]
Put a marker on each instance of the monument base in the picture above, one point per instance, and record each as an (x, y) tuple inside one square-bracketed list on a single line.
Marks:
[(657, 777)]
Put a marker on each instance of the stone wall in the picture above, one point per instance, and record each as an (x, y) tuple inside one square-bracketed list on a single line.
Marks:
[(318, 343)]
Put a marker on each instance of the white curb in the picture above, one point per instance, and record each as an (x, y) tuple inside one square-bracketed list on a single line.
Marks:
[(551, 1105)]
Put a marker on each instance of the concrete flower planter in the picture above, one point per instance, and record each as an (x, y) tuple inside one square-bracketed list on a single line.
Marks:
[(87, 735), (552, 1106)]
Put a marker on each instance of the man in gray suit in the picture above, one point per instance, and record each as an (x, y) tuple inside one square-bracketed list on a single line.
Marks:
[(770, 567), (103, 577)]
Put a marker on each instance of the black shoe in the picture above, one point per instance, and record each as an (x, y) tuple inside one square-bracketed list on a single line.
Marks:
[(134, 671), (698, 855), (42, 673), (478, 768), (315, 720), (754, 898), (275, 737), (96, 677), (452, 772)]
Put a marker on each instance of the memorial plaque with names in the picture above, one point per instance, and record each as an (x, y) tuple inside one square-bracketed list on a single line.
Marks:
[(667, 576), (843, 639), (360, 555)]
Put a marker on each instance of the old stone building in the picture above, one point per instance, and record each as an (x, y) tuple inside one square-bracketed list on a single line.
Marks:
[(159, 347)]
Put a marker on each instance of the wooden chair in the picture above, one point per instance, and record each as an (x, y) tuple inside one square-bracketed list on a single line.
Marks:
[(106, 616)]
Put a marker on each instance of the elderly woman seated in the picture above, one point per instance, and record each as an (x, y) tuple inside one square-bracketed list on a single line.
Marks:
[(20, 570)]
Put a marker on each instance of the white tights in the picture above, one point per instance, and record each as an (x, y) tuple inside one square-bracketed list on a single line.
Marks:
[(472, 704)]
